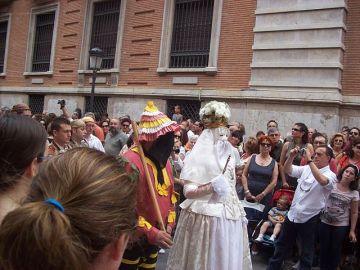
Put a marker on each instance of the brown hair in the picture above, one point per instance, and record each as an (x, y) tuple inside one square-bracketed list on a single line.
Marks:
[(336, 135), (286, 199), (99, 200), (252, 146), (20, 108), (22, 139)]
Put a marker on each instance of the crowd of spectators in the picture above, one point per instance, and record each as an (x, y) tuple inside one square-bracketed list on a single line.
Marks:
[(266, 161)]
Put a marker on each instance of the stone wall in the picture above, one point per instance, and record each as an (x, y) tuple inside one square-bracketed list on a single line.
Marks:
[(298, 45)]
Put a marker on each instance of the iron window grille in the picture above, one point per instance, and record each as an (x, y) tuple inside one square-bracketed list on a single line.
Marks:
[(105, 30), (189, 108), (3, 34), (191, 35), (43, 41), (36, 103), (100, 104)]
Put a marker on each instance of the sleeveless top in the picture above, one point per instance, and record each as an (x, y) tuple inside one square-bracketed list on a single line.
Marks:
[(259, 178)]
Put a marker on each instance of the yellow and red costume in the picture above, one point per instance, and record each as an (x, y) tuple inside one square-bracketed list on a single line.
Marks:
[(147, 223), (154, 126)]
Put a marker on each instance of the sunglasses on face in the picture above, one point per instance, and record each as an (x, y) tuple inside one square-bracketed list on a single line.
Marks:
[(296, 129), (338, 141), (265, 144), (357, 147), (177, 136), (126, 125), (105, 125), (353, 133)]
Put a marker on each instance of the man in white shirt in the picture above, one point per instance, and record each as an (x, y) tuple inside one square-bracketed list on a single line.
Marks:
[(90, 139), (315, 182)]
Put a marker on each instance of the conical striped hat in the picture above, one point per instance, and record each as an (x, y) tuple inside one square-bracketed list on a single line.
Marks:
[(154, 123)]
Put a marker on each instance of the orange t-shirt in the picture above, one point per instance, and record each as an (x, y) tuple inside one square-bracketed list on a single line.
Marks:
[(99, 133)]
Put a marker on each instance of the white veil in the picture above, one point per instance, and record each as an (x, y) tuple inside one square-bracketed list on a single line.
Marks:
[(208, 157)]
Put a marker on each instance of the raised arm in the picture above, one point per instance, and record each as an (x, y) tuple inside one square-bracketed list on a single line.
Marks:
[(281, 165), (322, 179), (289, 161)]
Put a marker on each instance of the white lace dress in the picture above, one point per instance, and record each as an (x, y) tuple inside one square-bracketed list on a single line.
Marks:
[(210, 235)]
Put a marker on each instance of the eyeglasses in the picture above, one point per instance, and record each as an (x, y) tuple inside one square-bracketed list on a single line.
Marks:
[(265, 144), (296, 129), (318, 142), (274, 135), (354, 133)]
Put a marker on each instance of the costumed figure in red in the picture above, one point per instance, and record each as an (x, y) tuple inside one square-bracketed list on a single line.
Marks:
[(156, 137)]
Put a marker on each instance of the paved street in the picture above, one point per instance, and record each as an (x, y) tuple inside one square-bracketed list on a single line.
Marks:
[(259, 261)]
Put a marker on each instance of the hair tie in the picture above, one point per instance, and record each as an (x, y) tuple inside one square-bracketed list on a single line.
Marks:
[(55, 203)]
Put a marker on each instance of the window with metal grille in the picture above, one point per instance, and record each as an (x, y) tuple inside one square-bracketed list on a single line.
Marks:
[(100, 104), (191, 35), (36, 103), (3, 34), (189, 108), (44, 28), (105, 30)]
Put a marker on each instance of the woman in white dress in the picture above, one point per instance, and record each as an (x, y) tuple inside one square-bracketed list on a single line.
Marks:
[(211, 233)]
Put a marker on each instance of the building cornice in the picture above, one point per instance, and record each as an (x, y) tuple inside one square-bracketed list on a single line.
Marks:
[(325, 97)]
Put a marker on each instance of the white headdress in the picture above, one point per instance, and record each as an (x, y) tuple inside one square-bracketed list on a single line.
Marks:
[(208, 157)]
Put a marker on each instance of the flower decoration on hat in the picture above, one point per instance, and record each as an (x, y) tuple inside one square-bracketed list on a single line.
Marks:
[(154, 123), (215, 114)]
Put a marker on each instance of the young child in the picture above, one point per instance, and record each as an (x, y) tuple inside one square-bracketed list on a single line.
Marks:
[(276, 217), (239, 187), (177, 116)]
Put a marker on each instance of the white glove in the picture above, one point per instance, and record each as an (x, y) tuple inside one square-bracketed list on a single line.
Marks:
[(221, 185), (192, 191)]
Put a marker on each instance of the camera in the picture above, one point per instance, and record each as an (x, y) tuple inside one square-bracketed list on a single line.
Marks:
[(302, 151), (62, 103)]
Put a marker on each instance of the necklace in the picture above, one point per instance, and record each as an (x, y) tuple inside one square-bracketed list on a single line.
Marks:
[(263, 161)]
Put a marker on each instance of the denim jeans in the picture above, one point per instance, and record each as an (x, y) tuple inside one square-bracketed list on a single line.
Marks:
[(331, 240), (290, 231)]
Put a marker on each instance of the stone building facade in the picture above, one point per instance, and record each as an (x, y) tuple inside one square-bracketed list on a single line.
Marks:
[(293, 61)]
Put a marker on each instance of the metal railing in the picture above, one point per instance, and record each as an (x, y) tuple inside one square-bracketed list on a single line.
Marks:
[(189, 108), (100, 104), (105, 30), (43, 41), (191, 33), (3, 34), (36, 103)]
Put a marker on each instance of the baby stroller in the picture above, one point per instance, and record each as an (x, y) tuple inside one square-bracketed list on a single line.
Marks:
[(267, 242)]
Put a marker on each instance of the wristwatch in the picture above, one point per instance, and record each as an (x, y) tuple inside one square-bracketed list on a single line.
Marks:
[(309, 161)]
